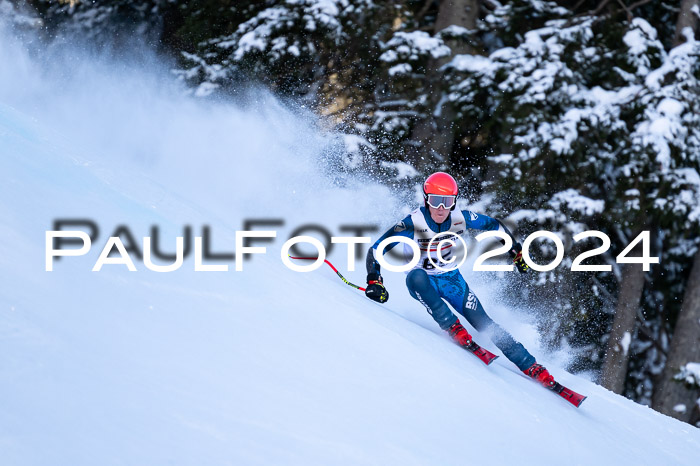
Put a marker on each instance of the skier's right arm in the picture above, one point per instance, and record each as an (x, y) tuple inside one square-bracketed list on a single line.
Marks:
[(375, 287)]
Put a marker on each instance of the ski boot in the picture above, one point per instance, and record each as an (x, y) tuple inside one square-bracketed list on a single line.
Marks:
[(460, 335), (540, 374)]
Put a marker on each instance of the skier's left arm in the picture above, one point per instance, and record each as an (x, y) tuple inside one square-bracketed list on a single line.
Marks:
[(484, 222), (375, 284)]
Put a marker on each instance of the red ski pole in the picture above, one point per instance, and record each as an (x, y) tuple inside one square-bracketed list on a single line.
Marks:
[(334, 270)]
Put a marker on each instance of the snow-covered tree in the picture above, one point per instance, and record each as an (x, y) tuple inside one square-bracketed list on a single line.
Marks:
[(106, 23), (297, 47)]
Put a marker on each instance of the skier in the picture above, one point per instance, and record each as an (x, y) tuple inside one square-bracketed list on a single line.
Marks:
[(432, 286)]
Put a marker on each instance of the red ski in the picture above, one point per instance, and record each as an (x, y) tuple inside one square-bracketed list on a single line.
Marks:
[(485, 355), (569, 395)]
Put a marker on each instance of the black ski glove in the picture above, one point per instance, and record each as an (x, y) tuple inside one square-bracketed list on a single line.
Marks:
[(375, 289), (516, 253)]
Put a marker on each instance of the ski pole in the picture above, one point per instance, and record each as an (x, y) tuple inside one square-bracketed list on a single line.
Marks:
[(334, 270)]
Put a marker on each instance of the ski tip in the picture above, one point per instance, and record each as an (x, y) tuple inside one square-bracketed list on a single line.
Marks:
[(581, 401), (491, 360)]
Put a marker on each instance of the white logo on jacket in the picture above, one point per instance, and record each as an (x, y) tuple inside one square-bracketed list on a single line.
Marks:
[(400, 227), (471, 301)]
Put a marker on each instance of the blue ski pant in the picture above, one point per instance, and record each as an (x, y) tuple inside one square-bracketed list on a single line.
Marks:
[(433, 290)]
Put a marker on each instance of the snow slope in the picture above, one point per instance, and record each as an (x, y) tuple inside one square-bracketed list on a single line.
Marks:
[(263, 366)]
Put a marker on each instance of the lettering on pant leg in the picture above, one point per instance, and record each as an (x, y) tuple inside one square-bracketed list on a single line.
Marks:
[(423, 303), (471, 301)]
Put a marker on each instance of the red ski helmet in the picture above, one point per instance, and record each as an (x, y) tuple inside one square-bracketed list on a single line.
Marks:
[(440, 184)]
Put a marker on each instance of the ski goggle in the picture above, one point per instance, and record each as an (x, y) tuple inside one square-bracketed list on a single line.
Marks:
[(436, 200)]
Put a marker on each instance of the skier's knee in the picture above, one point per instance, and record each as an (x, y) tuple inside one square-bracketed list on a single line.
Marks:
[(417, 280)]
